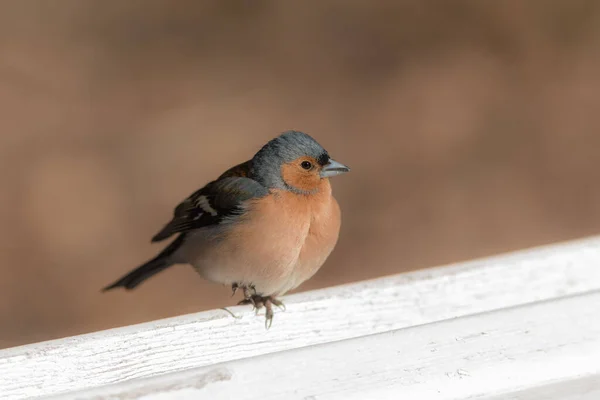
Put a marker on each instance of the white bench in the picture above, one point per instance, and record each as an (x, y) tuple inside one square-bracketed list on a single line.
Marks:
[(520, 326)]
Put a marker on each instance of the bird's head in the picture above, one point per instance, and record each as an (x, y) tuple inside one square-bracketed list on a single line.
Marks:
[(294, 161)]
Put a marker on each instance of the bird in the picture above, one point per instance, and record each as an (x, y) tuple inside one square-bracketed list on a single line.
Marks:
[(264, 226)]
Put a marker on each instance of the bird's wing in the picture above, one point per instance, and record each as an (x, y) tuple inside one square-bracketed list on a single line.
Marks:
[(209, 205), (241, 170)]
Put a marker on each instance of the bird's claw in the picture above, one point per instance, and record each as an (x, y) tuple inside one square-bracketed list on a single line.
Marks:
[(278, 304), (247, 301), (267, 302), (230, 313)]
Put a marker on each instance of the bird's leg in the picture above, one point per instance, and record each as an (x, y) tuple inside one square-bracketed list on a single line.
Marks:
[(249, 293), (249, 290)]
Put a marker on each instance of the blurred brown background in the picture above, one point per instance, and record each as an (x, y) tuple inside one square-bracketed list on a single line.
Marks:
[(471, 127)]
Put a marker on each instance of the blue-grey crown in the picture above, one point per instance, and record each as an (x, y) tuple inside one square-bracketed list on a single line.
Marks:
[(285, 148)]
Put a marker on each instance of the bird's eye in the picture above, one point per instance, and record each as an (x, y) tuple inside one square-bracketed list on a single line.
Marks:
[(306, 165)]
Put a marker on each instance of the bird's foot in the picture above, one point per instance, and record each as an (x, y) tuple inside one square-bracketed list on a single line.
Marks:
[(267, 302)]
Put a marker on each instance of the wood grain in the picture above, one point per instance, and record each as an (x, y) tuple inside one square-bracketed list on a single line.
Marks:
[(312, 318), (493, 354)]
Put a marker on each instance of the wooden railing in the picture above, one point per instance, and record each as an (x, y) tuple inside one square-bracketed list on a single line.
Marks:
[(524, 326)]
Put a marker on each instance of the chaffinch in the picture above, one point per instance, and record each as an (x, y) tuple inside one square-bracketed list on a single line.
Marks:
[(264, 226)]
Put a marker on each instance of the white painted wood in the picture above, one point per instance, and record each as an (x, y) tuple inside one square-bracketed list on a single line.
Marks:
[(484, 356), (586, 388), (323, 316)]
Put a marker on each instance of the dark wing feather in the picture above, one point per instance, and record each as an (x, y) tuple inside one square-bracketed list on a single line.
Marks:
[(212, 203), (241, 170)]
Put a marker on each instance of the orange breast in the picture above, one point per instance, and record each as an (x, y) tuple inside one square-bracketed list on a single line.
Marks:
[(322, 236), (280, 242)]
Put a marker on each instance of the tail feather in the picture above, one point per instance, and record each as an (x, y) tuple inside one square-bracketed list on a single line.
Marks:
[(165, 232), (149, 269), (140, 274)]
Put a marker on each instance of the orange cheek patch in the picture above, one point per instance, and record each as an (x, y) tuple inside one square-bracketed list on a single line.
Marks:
[(298, 178)]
